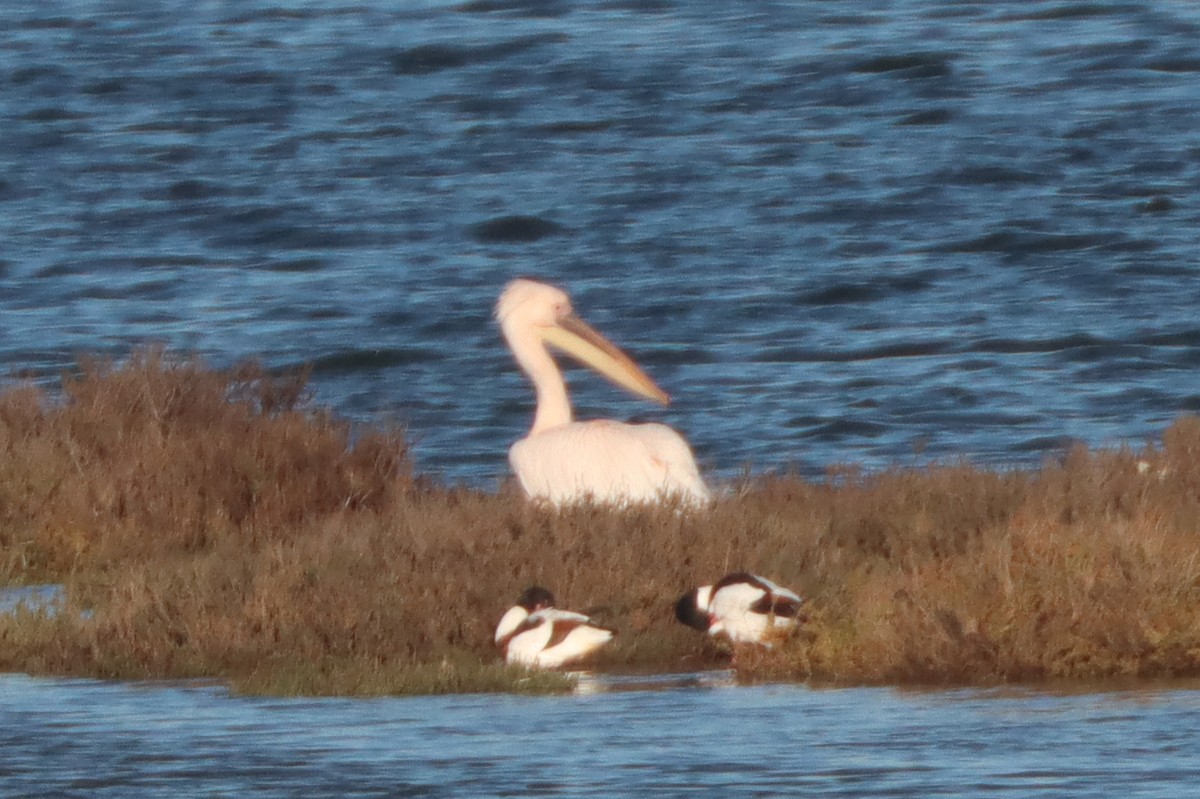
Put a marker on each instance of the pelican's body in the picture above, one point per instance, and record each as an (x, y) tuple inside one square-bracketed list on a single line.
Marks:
[(745, 607), (607, 461), (535, 634), (564, 461)]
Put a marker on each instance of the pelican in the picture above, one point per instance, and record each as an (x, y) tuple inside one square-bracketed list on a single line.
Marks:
[(534, 633), (563, 461), (743, 606)]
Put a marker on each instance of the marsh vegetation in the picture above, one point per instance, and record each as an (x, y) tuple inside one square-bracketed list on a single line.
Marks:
[(214, 523)]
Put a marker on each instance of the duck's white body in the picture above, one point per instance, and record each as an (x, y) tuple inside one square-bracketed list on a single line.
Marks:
[(744, 607), (563, 461), (535, 635)]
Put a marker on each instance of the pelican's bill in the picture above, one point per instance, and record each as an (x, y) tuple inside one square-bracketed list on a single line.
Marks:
[(581, 341)]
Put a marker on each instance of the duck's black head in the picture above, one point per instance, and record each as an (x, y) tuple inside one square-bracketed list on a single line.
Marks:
[(687, 611), (536, 598)]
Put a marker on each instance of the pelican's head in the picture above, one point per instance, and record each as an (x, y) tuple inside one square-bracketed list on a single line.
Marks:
[(528, 302), (529, 308)]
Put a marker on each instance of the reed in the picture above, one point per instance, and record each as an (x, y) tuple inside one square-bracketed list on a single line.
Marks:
[(213, 523)]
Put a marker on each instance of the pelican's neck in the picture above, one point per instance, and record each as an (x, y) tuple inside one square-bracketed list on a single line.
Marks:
[(553, 404)]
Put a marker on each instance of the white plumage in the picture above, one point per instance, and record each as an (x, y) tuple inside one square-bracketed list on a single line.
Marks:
[(564, 461), (535, 634), (744, 607)]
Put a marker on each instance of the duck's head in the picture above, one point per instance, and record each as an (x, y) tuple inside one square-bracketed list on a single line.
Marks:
[(536, 598), (692, 609)]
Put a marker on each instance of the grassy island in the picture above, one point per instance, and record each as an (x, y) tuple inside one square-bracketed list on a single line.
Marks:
[(211, 523)]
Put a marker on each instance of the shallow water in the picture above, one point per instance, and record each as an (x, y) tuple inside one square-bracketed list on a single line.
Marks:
[(864, 232), (33, 598), (85, 738)]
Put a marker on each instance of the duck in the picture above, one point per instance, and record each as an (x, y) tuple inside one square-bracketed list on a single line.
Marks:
[(744, 607), (535, 634)]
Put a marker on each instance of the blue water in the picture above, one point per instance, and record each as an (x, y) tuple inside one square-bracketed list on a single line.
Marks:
[(31, 598), (868, 232), (862, 231), (77, 738)]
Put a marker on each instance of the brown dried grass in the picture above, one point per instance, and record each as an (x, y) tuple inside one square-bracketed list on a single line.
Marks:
[(214, 524)]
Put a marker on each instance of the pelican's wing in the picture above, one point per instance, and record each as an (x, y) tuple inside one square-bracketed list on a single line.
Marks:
[(609, 462), (672, 462)]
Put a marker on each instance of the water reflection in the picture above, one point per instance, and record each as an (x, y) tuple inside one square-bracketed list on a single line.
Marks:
[(82, 737), (31, 598)]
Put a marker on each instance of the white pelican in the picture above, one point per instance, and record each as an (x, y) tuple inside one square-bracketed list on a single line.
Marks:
[(534, 633), (743, 606), (564, 461)]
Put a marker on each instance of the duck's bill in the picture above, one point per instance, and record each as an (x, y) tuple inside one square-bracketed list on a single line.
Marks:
[(581, 341)]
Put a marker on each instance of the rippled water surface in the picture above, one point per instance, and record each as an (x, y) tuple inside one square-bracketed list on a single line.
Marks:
[(83, 738), (860, 231)]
